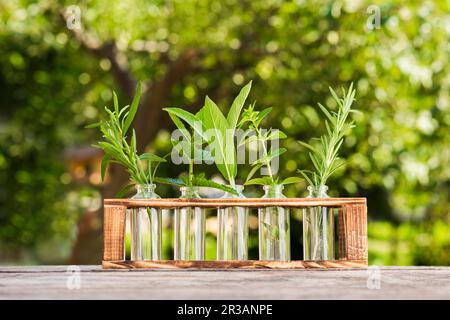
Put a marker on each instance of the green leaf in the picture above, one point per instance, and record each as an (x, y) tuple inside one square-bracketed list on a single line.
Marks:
[(259, 181), (170, 181), (116, 104), (338, 164), (249, 115), (327, 125), (109, 148), (125, 190), (93, 125), (212, 116), (253, 171), (216, 126), (187, 136), (190, 119), (304, 174), (123, 110), (335, 96), (178, 123), (270, 156), (236, 107), (201, 181), (315, 161), (199, 115), (326, 113), (262, 115), (291, 180), (152, 157), (310, 147), (111, 114), (275, 134), (133, 141), (133, 109), (278, 152), (104, 165)]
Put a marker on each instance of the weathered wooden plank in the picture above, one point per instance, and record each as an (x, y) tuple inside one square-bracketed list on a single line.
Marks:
[(249, 202), (114, 232), (233, 264), (98, 268), (50, 282)]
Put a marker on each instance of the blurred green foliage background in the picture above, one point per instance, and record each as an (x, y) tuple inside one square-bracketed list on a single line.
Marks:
[(58, 65)]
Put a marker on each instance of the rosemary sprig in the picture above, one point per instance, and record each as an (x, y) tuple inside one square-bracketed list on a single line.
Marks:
[(324, 155)]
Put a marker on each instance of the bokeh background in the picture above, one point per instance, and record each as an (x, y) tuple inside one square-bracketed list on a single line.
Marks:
[(58, 65)]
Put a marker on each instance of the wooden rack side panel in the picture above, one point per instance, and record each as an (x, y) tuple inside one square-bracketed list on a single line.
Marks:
[(352, 220), (114, 233)]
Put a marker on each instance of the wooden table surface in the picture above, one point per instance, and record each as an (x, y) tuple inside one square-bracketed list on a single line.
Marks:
[(56, 282)]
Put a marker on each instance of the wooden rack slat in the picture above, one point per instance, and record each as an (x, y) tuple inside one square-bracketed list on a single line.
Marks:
[(234, 264), (248, 202), (113, 232)]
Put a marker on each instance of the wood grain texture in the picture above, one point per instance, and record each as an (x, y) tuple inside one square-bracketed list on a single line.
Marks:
[(50, 282), (233, 264), (114, 232), (248, 202), (352, 228)]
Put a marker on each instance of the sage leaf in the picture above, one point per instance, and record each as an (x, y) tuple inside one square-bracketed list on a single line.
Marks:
[(238, 104)]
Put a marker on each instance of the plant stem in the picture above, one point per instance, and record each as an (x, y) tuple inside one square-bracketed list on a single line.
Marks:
[(150, 176), (191, 161), (265, 152), (191, 172)]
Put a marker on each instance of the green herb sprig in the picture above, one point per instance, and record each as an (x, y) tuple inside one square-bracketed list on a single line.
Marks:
[(190, 147), (221, 132), (254, 134), (141, 168), (218, 131), (324, 154)]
